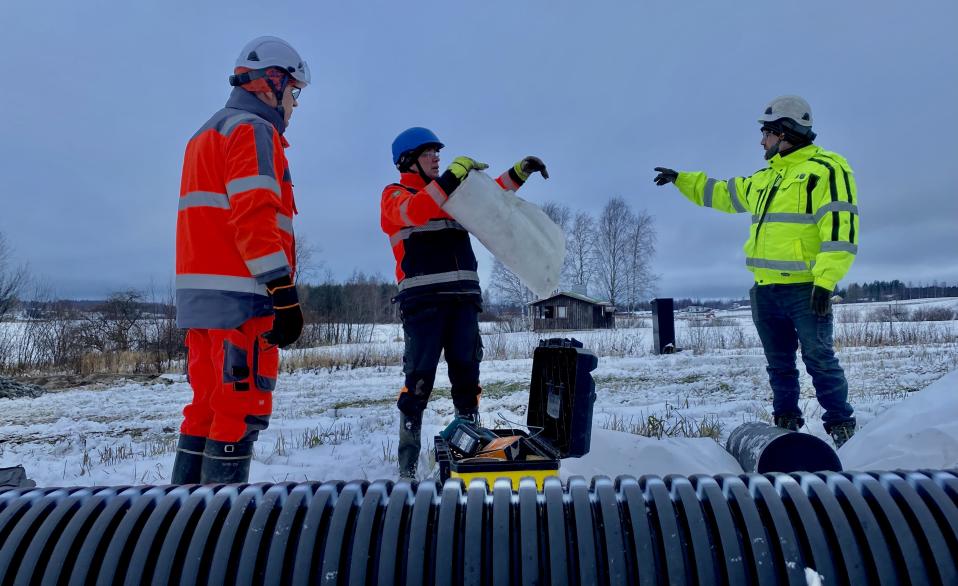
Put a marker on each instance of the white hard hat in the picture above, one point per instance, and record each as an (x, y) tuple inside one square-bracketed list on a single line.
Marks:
[(264, 52), (794, 108)]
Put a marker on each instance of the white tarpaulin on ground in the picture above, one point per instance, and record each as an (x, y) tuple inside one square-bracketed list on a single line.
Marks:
[(919, 432), (515, 231), (615, 452)]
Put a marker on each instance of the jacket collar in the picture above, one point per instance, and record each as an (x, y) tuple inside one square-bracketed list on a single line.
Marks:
[(798, 156), (241, 99), (412, 180)]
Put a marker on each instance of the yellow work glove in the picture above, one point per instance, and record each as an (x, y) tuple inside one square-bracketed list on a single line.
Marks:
[(461, 166)]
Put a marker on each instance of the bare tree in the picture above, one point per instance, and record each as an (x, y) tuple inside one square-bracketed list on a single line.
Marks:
[(52, 337), (580, 252), (509, 288), (640, 248), (308, 266), (612, 248), (112, 326), (562, 216), (12, 278), (558, 213), (158, 335)]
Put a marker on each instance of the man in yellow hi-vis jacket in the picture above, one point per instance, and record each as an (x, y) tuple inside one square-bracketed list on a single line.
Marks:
[(803, 239)]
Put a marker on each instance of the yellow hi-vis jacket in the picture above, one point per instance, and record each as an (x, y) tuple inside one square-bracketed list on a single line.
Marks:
[(804, 210)]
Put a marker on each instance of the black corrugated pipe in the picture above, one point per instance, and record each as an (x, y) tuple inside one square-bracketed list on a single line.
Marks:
[(850, 528)]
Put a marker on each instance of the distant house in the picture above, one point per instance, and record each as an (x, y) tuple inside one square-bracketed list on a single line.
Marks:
[(697, 309), (571, 311)]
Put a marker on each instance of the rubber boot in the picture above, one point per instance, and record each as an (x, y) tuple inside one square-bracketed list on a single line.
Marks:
[(410, 443), (189, 459), (226, 462)]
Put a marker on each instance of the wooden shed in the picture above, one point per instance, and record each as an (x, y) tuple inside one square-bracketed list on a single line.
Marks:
[(571, 311)]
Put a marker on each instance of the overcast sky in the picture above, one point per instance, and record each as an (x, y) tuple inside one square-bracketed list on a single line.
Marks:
[(100, 99)]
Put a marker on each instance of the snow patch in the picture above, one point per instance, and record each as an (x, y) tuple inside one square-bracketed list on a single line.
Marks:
[(813, 578)]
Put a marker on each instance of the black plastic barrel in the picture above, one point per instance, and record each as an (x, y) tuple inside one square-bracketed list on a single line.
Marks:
[(849, 528), (760, 447)]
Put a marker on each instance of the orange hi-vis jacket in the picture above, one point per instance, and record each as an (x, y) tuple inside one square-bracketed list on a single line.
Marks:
[(433, 252), (234, 229)]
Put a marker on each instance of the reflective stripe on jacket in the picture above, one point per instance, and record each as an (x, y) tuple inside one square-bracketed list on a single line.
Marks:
[(234, 229), (804, 209), (433, 252)]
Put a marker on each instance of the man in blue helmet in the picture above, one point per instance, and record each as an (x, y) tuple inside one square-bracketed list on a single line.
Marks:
[(439, 295)]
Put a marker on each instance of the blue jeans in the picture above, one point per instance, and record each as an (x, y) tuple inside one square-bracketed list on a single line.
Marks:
[(784, 318)]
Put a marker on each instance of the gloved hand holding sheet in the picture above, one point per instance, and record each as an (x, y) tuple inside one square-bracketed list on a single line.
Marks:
[(515, 231)]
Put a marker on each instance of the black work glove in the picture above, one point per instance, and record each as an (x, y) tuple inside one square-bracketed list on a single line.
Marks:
[(288, 320), (530, 165), (821, 301), (665, 175)]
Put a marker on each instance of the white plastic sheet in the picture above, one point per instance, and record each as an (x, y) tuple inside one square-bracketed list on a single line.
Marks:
[(515, 231), (919, 432)]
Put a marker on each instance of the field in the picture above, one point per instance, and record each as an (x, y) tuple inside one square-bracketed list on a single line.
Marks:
[(335, 416)]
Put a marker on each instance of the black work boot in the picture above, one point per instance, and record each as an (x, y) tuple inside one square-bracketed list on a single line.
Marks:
[(226, 462), (790, 422), (842, 432), (410, 442), (189, 459)]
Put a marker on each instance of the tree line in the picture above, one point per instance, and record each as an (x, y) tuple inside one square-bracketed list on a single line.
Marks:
[(608, 257), (895, 290)]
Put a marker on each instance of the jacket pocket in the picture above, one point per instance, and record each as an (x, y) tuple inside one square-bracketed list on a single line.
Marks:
[(791, 194)]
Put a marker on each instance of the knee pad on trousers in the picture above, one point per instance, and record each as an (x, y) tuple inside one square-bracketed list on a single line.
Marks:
[(412, 402)]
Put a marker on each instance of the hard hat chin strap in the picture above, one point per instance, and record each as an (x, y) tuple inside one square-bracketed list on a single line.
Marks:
[(278, 92), (409, 161), (422, 173)]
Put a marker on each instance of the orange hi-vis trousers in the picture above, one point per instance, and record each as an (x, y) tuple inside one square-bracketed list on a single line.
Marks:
[(233, 374)]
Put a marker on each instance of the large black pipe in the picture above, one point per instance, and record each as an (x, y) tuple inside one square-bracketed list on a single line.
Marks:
[(851, 528), (760, 447)]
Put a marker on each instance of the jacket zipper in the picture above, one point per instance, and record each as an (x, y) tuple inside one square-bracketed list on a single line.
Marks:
[(768, 204)]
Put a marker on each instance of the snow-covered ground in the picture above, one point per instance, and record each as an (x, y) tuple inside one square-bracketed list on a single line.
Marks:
[(341, 423)]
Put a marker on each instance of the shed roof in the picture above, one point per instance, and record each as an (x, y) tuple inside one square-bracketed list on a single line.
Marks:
[(577, 296)]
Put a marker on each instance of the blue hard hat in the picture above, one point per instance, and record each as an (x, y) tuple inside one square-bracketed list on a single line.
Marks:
[(411, 139)]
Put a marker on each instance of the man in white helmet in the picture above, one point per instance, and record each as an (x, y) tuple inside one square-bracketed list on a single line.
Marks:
[(235, 255), (803, 240)]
